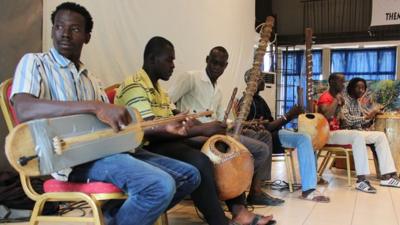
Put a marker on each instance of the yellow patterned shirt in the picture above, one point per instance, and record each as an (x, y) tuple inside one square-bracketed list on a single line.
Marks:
[(138, 92)]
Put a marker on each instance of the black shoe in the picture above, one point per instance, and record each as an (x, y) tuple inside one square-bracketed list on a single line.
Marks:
[(263, 199)]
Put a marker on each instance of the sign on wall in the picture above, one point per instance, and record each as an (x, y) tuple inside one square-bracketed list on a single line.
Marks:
[(385, 12)]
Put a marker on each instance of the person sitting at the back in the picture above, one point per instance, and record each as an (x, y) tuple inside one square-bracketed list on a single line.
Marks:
[(260, 112), (330, 104)]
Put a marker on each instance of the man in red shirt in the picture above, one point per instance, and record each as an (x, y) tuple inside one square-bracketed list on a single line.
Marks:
[(329, 104)]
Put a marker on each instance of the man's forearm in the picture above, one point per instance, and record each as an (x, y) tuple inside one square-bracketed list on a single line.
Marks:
[(276, 124), (28, 107), (159, 133)]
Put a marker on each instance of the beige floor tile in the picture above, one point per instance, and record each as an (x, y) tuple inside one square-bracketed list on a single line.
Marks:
[(376, 209), (395, 194), (373, 218)]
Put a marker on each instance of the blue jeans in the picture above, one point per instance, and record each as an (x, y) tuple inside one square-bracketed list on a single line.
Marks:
[(152, 183), (305, 153)]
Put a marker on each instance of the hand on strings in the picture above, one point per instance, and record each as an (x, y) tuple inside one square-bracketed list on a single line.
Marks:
[(215, 127), (259, 125), (180, 127), (115, 116), (371, 115)]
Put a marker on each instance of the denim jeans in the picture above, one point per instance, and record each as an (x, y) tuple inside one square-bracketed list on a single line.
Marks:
[(152, 183), (305, 153)]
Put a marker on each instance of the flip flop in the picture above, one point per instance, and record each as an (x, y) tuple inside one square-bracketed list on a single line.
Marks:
[(255, 220), (258, 217), (316, 196)]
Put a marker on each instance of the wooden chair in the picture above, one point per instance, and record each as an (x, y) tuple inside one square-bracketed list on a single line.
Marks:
[(289, 163), (333, 152), (92, 193)]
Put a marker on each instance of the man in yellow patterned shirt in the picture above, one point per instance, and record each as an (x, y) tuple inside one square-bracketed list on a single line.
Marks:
[(138, 90)]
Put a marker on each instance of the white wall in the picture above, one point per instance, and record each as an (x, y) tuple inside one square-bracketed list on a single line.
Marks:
[(123, 27)]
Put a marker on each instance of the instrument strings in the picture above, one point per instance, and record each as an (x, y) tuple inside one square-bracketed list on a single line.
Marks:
[(61, 144)]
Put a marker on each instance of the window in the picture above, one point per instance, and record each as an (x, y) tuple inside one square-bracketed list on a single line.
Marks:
[(370, 64), (293, 74)]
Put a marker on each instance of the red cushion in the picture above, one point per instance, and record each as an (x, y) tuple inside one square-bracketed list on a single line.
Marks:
[(342, 146), (53, 185), (111, 94), (14, 116)]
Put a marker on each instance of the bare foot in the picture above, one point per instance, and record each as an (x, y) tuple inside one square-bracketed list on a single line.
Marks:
[(245, 217)]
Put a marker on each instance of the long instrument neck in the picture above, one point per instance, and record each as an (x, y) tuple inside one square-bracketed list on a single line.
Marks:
[(162, 121), (309, 65), (229, 107), (254, 77), (60, 144)]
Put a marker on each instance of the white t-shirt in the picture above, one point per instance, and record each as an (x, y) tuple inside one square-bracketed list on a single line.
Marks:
[(194, 91)]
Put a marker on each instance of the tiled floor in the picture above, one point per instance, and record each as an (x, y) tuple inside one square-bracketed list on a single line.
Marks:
[(347, 206)]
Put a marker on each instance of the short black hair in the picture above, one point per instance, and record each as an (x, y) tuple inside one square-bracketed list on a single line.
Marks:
[(333, 76), (71, 6), (220, 49), (352, 85), (155, 46)]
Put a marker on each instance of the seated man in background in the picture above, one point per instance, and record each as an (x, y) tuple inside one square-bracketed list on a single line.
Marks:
[(260, 111), (143, 92), (355, 116), (199, 91), (57, 83), (330, 104)]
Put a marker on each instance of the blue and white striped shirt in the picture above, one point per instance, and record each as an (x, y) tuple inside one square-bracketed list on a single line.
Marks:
[(51, 76)]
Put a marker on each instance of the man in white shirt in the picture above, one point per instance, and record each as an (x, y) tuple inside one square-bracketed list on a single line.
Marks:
[(198, 91)]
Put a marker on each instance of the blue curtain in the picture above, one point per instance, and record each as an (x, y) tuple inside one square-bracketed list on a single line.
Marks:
[(293, 75), (370, 64)]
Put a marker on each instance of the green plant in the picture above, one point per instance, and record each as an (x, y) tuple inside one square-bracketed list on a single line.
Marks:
[(386, 93)]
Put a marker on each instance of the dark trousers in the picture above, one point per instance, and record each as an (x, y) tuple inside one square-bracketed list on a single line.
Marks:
[(205, 197)]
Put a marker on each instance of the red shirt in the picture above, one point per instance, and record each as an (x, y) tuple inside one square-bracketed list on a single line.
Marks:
[(327, 99)]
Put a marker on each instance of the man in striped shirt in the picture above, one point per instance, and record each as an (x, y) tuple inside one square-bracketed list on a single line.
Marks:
[(57, 83)]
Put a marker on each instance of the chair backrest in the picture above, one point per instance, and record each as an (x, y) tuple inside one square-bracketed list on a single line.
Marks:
[(111, 91), (11, 121), (7, 109)]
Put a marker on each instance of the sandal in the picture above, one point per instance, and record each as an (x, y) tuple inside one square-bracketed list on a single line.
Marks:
[(255, 220), (316, 196), (258, 217), (322, 181)]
